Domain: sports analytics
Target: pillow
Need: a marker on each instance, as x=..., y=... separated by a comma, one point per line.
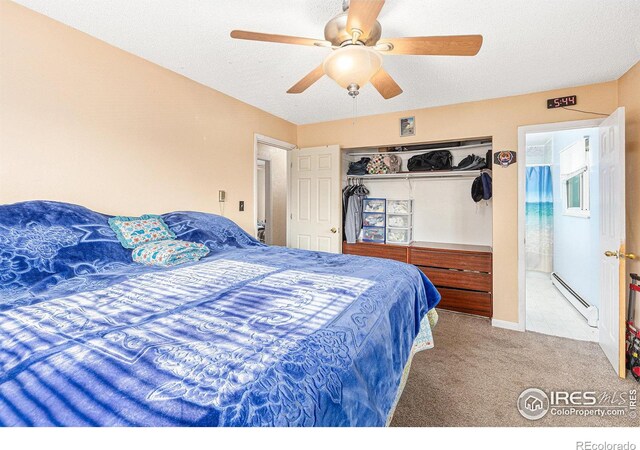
x=134, y=231
x=216, y=232
x=169, y=253
x=43, y=243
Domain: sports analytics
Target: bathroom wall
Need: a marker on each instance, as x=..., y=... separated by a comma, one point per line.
x=576, y=247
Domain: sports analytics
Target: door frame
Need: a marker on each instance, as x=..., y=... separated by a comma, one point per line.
x=271, y=142
x=522, y=161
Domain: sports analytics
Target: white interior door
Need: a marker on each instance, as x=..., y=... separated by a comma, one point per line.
x=612, y=239
x=315, y=215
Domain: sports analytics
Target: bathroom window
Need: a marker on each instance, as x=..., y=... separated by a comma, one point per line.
x=574, y=172
x=577, y=195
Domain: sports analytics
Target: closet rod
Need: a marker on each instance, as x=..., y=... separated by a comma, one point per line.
x=425, y=175
x=418, y=152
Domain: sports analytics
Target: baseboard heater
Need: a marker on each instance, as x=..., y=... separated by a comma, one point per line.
x=589, y=312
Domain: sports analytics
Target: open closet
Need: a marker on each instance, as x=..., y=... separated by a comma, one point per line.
x=425, y=204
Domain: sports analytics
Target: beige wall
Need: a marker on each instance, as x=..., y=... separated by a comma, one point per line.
x=498, y=118
x=86, y=123
x=629, y=97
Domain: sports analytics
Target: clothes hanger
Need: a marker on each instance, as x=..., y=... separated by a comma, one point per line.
x=362, y=189
x=348, y=190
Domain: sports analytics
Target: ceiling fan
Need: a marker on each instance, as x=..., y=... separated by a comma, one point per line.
x=355, y=37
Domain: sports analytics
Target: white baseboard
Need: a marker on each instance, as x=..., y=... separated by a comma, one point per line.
x=515, y=326
x=589, y=312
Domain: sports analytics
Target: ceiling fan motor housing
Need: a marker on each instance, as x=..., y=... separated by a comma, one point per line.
x=335, y=31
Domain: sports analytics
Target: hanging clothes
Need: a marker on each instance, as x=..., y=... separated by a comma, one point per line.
x=487, y=185
x=347, y=192
x=353, y=223
x=354, y=196
x=539, y=219
x=482, y=187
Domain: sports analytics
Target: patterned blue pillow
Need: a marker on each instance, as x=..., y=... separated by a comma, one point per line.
x=169, y=253
x=135, y=231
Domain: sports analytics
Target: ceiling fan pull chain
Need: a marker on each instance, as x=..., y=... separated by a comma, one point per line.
x=355, y=110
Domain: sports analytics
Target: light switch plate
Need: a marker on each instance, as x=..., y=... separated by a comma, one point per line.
x=241, y=205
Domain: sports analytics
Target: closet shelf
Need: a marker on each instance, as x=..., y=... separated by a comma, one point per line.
x=418, y=152
x=414, y=175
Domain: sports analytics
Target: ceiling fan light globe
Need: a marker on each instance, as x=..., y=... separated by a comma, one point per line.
x=352, y=64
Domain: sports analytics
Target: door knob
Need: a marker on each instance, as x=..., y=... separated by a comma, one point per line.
x=620, y=254
x=334, y=230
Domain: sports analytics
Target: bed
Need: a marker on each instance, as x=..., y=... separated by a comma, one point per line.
x=250, y=335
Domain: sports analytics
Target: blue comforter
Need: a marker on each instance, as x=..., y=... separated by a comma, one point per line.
x=249, y=336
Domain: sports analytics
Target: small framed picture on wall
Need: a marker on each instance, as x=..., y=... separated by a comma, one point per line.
x=407, y=126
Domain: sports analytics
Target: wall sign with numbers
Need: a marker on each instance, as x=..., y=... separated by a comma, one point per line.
x=561, y=102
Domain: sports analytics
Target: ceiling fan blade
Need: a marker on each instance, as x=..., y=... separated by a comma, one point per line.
x=281, y=39
x=386, y=85
x=307, y=81
x=363, y=14
x=468, y=45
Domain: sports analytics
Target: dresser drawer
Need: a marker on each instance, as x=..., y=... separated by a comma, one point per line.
x=469, y=302
x=450, y=260
x=396, y=253
x=474, y=281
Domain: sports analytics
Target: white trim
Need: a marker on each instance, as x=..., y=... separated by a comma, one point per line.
x=577, y=212
x=522, y=159
x=266, y=140
x=514, y=326
x=272, y=142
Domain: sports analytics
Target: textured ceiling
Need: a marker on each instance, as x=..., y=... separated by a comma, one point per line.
x=529, y=45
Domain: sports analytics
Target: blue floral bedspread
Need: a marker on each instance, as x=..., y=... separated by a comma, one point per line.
x=251, y=335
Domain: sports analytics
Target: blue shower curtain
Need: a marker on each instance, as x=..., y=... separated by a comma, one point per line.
x=539, y=219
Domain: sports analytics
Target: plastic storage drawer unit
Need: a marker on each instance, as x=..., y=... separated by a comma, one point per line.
x=374, y=205
x=373, y=234
x=398, y=235
x=399, y=220
x=399, y=206
x=373, y=219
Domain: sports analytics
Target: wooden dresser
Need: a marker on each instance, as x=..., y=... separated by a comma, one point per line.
x=462, y=273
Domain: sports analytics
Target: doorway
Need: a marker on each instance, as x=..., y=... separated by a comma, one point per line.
x=271, y=179
x=562, y=218
x=589, y=184
x=559, y=227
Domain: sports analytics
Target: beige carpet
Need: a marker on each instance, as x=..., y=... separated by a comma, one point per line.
x=476, y=372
